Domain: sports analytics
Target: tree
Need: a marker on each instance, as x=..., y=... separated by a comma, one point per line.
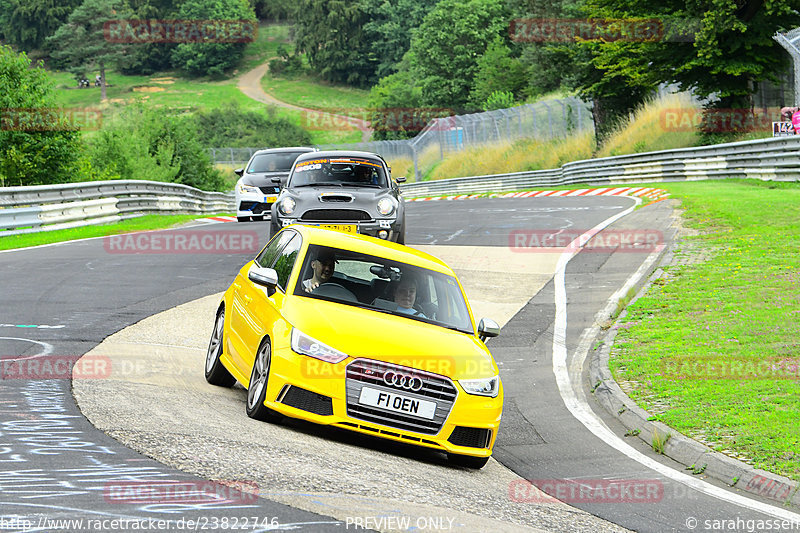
x=498, y=72
x=394, y=95
x=332, y=35
x=37, y=145
x=212, y=58
x=719, y=49
x=82, y=43
x=27, y=23
x=389, y=28
x=445, y=48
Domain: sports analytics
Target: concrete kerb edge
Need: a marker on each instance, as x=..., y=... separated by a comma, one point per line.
x=696, y=457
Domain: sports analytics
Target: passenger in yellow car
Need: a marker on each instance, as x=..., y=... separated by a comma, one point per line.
x=323, y=267
x=405, y=294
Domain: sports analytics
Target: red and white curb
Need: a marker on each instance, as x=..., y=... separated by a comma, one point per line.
x=643, y=192
x=213, y=220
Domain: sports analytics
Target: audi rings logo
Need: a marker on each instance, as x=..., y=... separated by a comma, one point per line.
x=402, y=381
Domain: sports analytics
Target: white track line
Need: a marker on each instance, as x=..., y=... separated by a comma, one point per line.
x=581, y=410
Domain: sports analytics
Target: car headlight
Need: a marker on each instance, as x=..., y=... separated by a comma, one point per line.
x=305, y=345
x=287, y=205
x=385, y=206
x=246, y=188
x=481, y=387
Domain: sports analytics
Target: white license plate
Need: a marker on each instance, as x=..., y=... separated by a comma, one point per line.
x=397, y=403
x=270, y=199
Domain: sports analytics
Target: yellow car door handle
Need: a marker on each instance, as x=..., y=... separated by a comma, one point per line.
x=247, y=299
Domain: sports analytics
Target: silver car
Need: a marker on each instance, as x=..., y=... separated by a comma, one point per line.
x=343, y=190
x=260, y=181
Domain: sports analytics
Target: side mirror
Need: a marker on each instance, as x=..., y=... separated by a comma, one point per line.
x=401, y=179
x=488, y=328
x=266, y=277
x=239, y=172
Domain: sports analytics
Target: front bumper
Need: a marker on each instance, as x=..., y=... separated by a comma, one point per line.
x=323, y=393
x=254, y=204
x=372, y=228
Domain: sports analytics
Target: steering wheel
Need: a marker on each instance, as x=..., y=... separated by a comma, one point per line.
x=334, y=290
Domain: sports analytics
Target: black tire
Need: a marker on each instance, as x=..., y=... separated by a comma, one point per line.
x=242, y=219
x=467, y=461
x=216, y=374
x=257, y=389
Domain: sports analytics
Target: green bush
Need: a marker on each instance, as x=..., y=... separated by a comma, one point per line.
x=37, y=143
x=149, y=144
x=230, y=126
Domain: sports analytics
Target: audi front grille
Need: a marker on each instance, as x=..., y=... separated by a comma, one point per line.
x=408, y=382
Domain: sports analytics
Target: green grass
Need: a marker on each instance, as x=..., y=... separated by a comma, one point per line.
x=146, y=222
x=269, y=37
x=306, y=91
x=740, y=305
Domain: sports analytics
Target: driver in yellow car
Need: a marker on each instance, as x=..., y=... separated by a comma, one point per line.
x=323, y=267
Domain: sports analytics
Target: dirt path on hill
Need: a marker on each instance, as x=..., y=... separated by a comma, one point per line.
x=250, y=84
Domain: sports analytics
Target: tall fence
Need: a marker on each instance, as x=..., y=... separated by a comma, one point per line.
x=547, y=119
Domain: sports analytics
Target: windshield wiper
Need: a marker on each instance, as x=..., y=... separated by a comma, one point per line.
x=350, y=184
x=313, y=185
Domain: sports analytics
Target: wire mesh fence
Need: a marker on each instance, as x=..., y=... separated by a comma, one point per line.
x=548, y=119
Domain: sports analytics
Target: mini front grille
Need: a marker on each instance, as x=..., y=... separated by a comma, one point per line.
x=432, y=387
x=471, y=437
x=335, y=215
x=308, y=401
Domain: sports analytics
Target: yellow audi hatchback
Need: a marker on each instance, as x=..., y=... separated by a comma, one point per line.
x=362, y=334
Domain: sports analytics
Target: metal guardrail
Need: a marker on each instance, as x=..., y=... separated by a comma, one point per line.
x=52, y=207
x=766, y=159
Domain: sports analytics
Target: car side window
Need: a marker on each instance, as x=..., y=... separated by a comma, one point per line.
x=268, y=255
x=286, y=260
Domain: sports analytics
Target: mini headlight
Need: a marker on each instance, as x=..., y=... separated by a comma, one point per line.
x=246, y=188
x=287, y=205
x=305, y=345
x=385, y=206
x=481, y=387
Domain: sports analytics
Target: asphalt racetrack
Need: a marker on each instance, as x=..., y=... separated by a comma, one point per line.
x=173, y=431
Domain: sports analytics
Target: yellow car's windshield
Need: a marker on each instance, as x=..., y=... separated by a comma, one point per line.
x=382, y=285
